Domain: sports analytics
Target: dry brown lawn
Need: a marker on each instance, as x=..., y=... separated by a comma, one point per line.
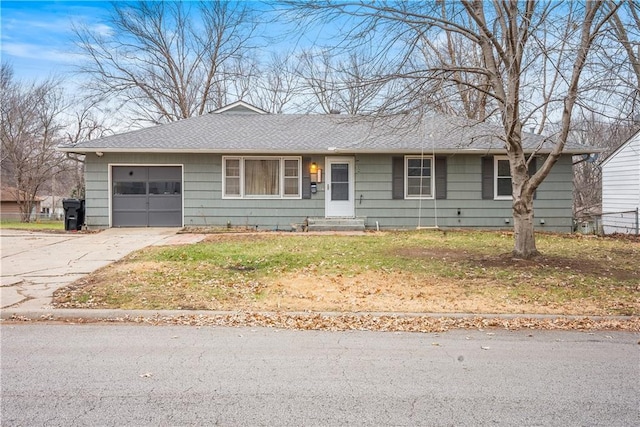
x=414, y=273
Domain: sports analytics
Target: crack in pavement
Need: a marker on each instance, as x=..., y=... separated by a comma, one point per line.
x=30, y=249
x=43, y=263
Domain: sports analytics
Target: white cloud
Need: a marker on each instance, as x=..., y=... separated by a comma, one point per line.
x=39, y=52
x=20, y=50
x=102, y=30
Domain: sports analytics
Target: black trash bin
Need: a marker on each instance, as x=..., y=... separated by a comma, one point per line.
x=73, y=214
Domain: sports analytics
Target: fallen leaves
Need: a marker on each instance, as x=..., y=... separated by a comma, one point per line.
x=366, y=322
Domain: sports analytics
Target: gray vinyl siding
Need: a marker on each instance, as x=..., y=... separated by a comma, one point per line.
x=373, y=198
x=204, y=206
x=96, y=192
x=202, y=189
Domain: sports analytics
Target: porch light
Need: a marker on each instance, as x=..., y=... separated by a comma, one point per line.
x=315, y=172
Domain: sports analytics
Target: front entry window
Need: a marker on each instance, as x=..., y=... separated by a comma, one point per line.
x=339, y=181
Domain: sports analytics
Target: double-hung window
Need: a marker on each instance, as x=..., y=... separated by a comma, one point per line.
x=419, y=182
x=261, y=177
x=502, y=178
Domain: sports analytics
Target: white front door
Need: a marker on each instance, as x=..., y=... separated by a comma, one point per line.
x=339, y=187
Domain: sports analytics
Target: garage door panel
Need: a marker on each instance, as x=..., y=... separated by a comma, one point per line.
x=129, y=202
x=130, y=173
x=173, y=203
x=164, y=219
x=165, y=173
x=130, y=218
x=165, y=210
x=147, y=196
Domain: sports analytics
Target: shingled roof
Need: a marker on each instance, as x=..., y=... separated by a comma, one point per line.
x=242, y=132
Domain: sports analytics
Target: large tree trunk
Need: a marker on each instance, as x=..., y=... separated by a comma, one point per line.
x=522, y=192
x=525, y=243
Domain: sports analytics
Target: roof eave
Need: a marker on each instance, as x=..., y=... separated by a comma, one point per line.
x=329, y=151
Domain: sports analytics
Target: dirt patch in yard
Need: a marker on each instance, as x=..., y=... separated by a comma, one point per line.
x=371, y=291
x=376, y=292
x=582, y=267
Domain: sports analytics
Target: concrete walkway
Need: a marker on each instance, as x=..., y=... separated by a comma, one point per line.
x=35, y=264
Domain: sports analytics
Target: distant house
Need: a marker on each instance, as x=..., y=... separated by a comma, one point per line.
x=9, y=207
x=51, y=207
x=244, y=167
x=621, y=188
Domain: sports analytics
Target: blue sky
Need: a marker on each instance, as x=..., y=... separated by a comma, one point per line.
x=36, y=36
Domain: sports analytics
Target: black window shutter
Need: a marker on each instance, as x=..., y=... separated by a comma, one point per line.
x=533, y=167
x=487, y=177
x=306, y=178
x=397, y=172
x=441, y=177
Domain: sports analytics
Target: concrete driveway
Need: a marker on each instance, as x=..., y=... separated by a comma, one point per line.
x=35, y=264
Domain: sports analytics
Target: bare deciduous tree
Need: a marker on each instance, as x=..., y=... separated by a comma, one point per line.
x=350, y=84
x=512, y=39
x=625, y=24
x=30, y=131
x=278, y=84
x=456, y=88
x=85, y=122
x=166, y=61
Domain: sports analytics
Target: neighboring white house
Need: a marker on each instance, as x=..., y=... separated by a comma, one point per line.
x=51, y=207
x=621, y=188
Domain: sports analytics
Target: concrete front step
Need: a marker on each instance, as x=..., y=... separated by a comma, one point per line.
x=335, y=224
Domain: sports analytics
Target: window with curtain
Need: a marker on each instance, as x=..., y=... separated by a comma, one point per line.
x=261, y=177
x=419, y=174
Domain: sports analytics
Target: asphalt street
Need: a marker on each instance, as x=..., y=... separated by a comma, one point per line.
x=136, y=375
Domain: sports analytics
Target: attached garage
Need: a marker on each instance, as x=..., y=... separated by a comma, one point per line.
x=146, y=196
